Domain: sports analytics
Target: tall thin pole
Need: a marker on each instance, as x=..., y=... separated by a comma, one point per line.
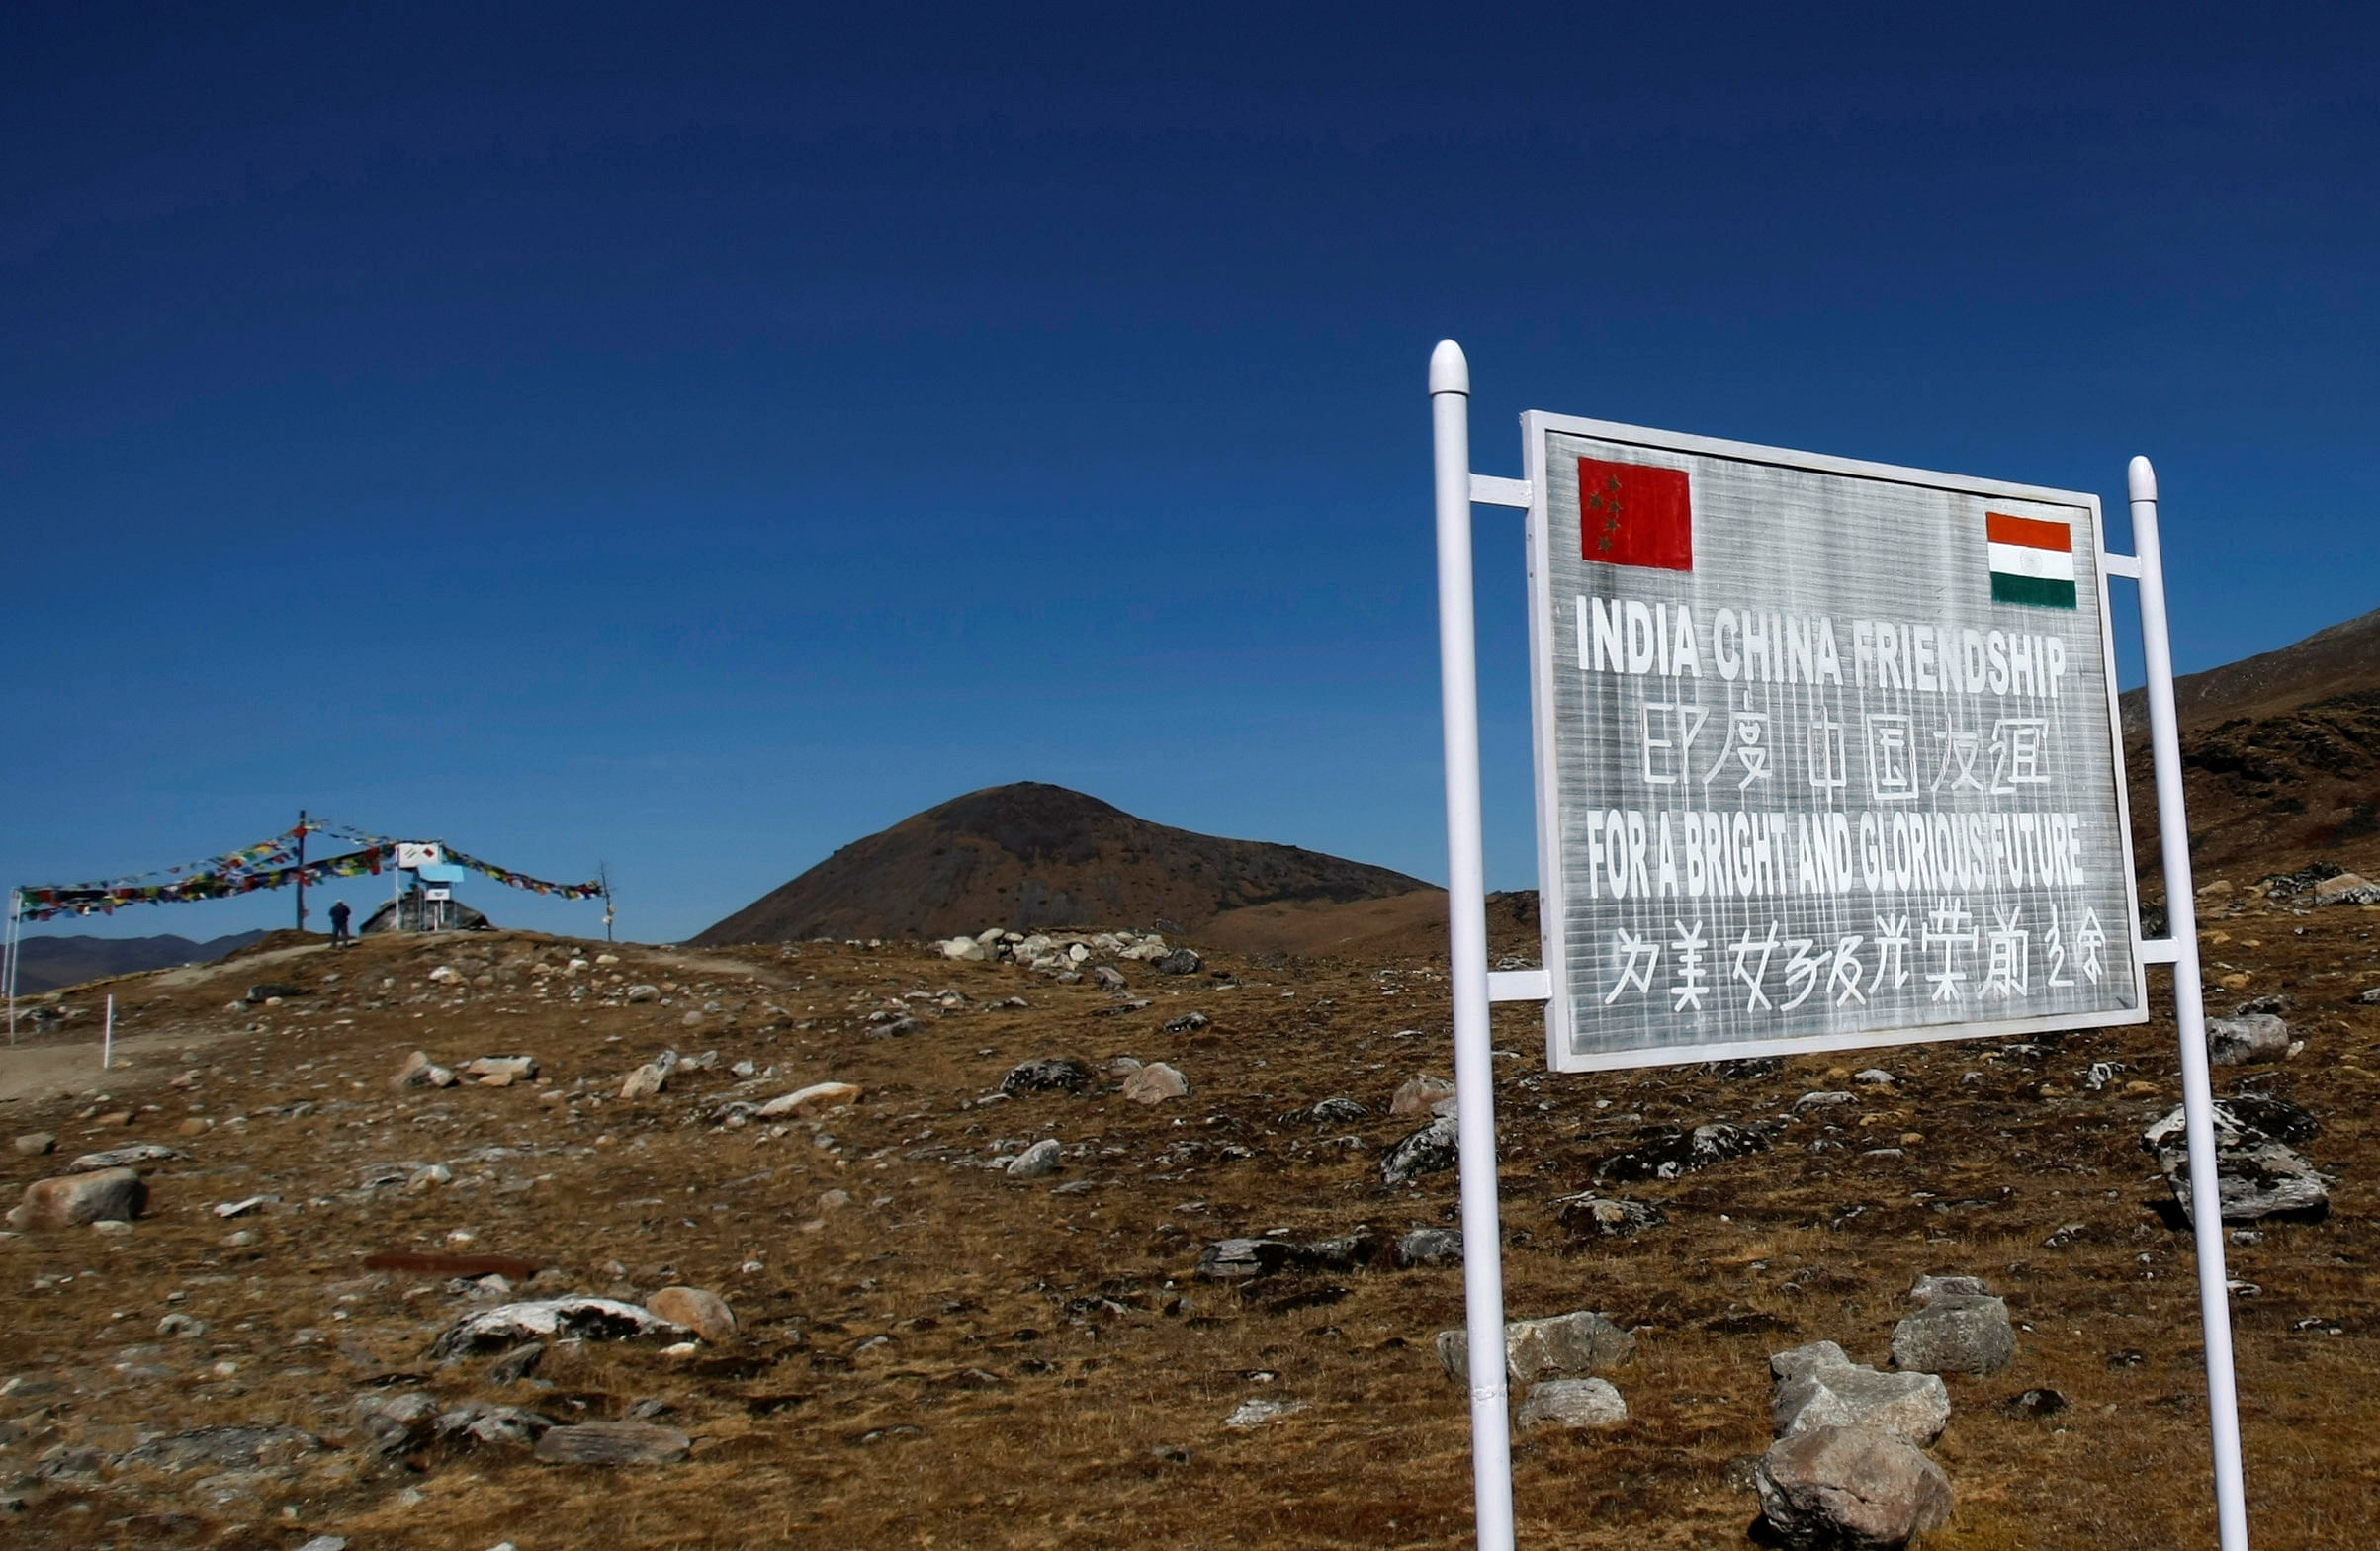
x=603, y=873
x=16, y=929
x=2189, y=1016
x=107, y=1038
x=1466, y=939
x=302, y=869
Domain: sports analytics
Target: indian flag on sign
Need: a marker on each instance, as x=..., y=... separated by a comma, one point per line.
x=2032, y=560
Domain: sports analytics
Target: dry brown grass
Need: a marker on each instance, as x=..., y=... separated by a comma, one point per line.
x=885, y=1390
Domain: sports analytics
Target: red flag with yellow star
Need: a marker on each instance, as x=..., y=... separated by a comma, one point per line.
x=1633, y=514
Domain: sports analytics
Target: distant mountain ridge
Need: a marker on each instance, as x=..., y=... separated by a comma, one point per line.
x=47, y=963
x=2340, y=659
x=1033, y=855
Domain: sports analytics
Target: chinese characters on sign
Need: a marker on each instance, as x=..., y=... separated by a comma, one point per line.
x=1828, y=753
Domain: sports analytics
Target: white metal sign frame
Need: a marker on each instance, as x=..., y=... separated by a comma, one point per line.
x=1537, y=430
x=1456, y=488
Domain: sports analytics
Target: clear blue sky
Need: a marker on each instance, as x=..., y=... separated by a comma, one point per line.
x=693, y=440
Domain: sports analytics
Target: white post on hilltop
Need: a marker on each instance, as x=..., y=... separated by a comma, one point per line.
x=106, y=1035
x=2189, y=1016
x=1466, y=939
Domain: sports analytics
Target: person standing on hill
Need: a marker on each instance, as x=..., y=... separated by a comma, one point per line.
x=338, y=923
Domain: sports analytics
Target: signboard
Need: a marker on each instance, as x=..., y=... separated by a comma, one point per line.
x=1827, y=753
x=419, y=853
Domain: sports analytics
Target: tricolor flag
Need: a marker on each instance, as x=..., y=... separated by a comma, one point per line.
x=1634, y=514
x=2032, y=560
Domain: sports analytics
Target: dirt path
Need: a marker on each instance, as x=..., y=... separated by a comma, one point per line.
x=71, y=1069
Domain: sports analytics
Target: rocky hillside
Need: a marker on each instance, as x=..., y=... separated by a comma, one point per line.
x=821, y=1247
x=1032, y=855
x=2280, y=758
x=2340, y=659
x=2274, y=794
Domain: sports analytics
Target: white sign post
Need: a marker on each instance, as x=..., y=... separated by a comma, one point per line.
x=1827, y=757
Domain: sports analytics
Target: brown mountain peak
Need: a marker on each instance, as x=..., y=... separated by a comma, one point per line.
x=1030, y=855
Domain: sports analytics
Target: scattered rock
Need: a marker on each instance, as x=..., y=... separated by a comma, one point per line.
x=1913, y=1407
x=476, y=1424
x=2259, y=1036
x=1336, y=1111
x=512, y=1068
x=1430, y=1246
x=2034, y=1402
x=421, y=1071
x=1573, y=1403
x=223, y=1448
x=704, y=1313
x=816, y=1100
x=2347, y=889
x=966, y=948
x=1929, y=1287
x=646, y=1081
x=269, y=990
x=1256, y=1412
x=325, y=1543
x=1850, y=1487
x=1955, y=1332
x=613, y=1444
x=1182, y=961
x=644, y=994
x=181, y=1327
x=517, y=1365
x=1875, y=1076
x=1048, y=1074
x=71, y=1200
x=1588, y=1215
x=1824, y=1100
x=35, y=1142
x=1241, y=1260
x=2276, y=1118
x=1574, y=1346
x=1154, y=1083
x=2258, y=1174
x=1035, y=1162
x=1244, y=1259
x=1106, y=978
x=1432, y=1149
x=1679, y=1153
x=1417, y=1095
x=1799, y=1360
x=1191, y=1022
x=123, y=1158
x=551, y=1319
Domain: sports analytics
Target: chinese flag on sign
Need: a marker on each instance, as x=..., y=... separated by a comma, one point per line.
x=1630, y=514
